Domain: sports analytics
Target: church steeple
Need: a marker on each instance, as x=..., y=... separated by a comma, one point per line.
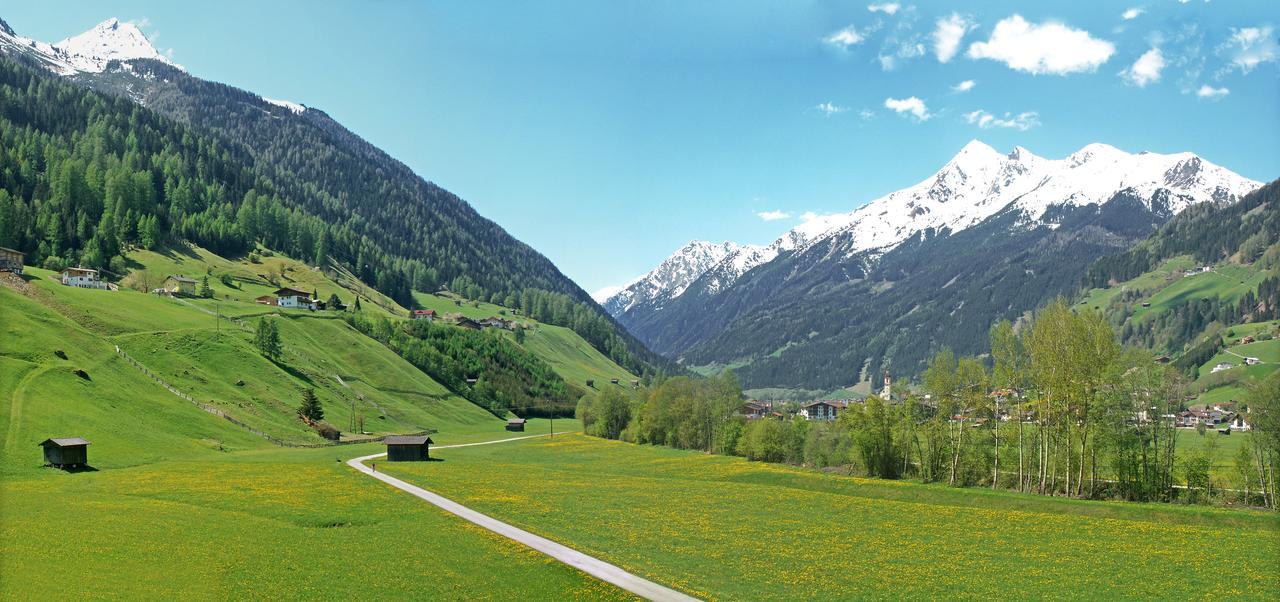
x=887, y=393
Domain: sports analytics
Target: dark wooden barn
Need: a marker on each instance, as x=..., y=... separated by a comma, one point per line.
x=66, y=452
x=516, y=424
x=408, y=448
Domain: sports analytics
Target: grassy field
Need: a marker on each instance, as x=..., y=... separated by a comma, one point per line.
x=286, y=525
x=725, y=528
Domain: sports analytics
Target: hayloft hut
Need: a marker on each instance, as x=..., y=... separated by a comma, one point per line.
x=516, y=424
x=408, y=448
x=11, y=260
x=66, y=452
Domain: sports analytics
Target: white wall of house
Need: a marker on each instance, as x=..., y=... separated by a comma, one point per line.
x=296, y=301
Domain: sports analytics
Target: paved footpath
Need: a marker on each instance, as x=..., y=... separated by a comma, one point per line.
x=588, y=564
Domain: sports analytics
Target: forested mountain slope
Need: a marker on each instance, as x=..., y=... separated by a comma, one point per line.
x=166, y=156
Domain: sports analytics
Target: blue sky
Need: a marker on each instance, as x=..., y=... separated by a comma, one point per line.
x=608, y=134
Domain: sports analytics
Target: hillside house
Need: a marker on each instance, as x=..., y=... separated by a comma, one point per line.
x=71, y=452
x=408, y=448
x=1246, y=340
x=496, y=322
x=82, y=278
x=823, y=410
x=516, y=424
x=11, y=260
x=423, y=314
x=1252, y=361
x=287, y=297
x=180, y=285
x=468, y=323
x=1240, y=423
x=1222, y=366
x=1164, y=359
x=267, y=300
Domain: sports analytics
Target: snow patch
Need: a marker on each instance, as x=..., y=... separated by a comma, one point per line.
x=296, y=108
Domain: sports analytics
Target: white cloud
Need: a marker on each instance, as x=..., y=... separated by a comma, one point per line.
x=1212, y=93
x=844, y=38
x=866, y=114
x=1022, y=121
x=140, y=23
x=829, y=109
x=1146, y=69
x=1039, y=48
x=947, y=35
x=888, y=8
x=1132, y=14
x=773, y=216
x=809, y=216
x=964, y=86
x=1250, y=47
x=909, y=106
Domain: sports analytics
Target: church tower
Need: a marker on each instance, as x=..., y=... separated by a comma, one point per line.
x=887, y=393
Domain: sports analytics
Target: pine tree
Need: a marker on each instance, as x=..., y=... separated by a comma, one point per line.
x=310, y=409
x=267, y=338
x=205, y=291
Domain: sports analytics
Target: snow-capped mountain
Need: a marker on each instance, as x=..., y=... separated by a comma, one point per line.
x=990, y=235
x=980, y=181
x=973, y=186
x=89, y=52
x=674, y=274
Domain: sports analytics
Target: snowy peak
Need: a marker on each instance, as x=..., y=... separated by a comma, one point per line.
x=979, y=181
x=89, y=52
x=109, y=40
x=673, y=276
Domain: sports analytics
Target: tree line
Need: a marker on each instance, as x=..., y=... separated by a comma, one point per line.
x=1058, y=408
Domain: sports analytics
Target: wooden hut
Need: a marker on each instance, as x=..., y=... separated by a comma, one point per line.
x=11, y=260
x=516, y=424
x=66, y=452
x=591, y=383
x=408, y=448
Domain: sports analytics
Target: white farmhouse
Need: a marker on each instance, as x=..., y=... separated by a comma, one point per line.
x=287, y=297
x=82, y=278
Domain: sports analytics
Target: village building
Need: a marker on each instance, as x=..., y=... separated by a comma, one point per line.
x=496, y=322
x=287, y=297
x=1252, y=361
x=1246, y=340
x=180, y=285
x=516, y=424
x=267, y=300
x=423, y=314
x=753, y=410
x=1221, y=366
x=408, y=448
x=11, y=260
x=823, y=409
x=1240, y=423
x=468, y=323
x=82, y=278
x=70, y=452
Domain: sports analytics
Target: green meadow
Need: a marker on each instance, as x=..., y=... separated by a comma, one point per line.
x=725, y=528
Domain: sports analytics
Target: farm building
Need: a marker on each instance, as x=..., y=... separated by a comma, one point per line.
x=423, y=314
x=496, y=322
x=11, y=260
x=755, y=409
x=1252, y=361
x=66, y=452
x=613, y=381
x=468, y=323
x=268, y=300
x=1246, y=340
x=82, y=278
x=287, y=297
x=516, y=424
x=408, y=448
x=180, y=285
x=1222, y=366
x=1240, y=423
x=591, y=383
x=823, y=410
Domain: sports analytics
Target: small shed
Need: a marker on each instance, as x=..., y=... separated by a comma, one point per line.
x=516, y=424
x=591, y=383
x=11, y=260
x=66, y=452
x=613, y=381
x=408, y=448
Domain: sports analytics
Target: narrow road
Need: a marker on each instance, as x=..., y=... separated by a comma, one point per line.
x=588, y=564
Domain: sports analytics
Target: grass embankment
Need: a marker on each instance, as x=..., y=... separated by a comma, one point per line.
x=726, y=528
